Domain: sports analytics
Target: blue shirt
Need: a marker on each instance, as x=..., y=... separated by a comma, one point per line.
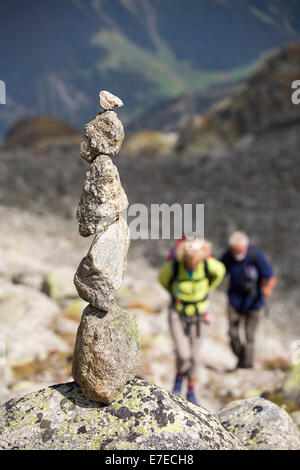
x=237, y=298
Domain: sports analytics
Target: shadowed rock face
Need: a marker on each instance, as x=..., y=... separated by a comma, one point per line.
x=143, y=417
x=260, y=424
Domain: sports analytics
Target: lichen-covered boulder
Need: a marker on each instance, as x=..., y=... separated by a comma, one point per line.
x=107, y=353
x=103, y=135
x=291, y=385
x=260, y=424
x=102, y=199
x=144, y=417
x=100, y=273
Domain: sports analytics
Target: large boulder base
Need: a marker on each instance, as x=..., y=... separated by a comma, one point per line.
x=107, y=353
x=144, y=417
x=100, y=273
x=260, y=424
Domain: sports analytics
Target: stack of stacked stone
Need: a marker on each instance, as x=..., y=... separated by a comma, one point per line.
x=107, y=351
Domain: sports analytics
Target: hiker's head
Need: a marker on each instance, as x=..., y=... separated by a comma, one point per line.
x=238, y=243
x=192, y=251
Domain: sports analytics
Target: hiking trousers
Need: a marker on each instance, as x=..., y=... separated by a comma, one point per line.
x=244, y=350
x=187, y=344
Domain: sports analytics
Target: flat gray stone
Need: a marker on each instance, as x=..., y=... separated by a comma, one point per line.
x=102, y=198
x=100, y=273
x=103, y=135
x=107, y=353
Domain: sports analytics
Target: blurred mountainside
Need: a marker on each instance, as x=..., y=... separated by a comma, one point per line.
x=174, y=114
x=263, y=102
x=56, y=55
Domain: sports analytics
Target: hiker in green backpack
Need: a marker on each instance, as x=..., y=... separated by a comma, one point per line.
x=189, y=278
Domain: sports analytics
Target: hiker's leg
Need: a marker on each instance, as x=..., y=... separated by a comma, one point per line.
x=181, y=342
x=196, y=343
x=234, y=332
x=252, y=320
x=193, y=373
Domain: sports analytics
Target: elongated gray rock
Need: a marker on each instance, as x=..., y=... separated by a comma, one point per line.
x=107, y=353
x=102, y=199
x=100, y=273
x=143, y=417
x=108, y=101
x=103, y=135
x=260, y=424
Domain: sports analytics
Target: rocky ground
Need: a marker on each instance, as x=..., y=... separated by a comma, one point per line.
x=254, y=186
x=40, y=313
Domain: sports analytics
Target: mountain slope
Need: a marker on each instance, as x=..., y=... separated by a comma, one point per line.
x=262, y=103
x=55, y=56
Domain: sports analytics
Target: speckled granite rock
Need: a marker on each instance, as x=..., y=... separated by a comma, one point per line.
x=102, y=199
x=107, y=353
x=100, y=273
x=103, y=135
x=260, y=424
x=144, y=417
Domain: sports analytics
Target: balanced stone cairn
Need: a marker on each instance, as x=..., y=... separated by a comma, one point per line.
x=107, y=351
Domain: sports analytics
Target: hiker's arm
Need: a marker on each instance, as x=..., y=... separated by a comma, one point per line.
x=268, y=286
x=165, y=275
x=266, y=272
x=217, y=270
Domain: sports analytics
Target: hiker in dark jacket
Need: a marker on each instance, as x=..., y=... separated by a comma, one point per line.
x=251, y=281
x=189, y=277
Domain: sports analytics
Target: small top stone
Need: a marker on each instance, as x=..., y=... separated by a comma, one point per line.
x=108, y=101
